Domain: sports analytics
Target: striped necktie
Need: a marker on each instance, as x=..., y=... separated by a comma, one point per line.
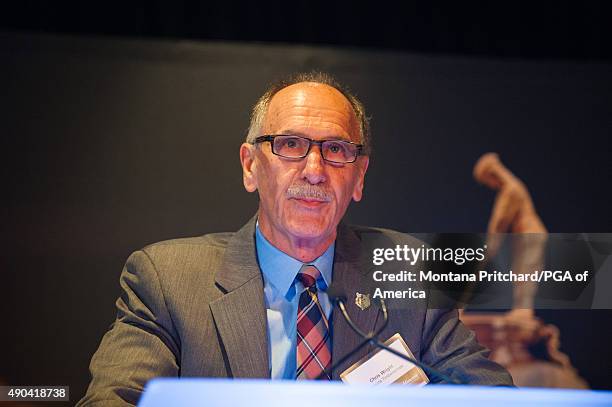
x=313, y=336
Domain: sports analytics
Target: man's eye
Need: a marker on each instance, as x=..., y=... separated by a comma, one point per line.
x=336, y=148
x=291, y=143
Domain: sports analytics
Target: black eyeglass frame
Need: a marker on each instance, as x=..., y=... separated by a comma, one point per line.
x=271, y=137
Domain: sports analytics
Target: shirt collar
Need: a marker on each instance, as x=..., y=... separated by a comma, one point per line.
x=280, y=269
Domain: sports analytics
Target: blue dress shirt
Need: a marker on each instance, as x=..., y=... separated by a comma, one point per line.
x=282, y=293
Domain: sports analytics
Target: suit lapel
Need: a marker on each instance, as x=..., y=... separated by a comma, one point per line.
x=349, y=274
x=240, y=315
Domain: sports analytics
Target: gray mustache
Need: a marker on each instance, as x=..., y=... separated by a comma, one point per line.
x=309, y=192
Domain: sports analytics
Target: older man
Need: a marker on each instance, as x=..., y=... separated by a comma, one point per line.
x=253, y=303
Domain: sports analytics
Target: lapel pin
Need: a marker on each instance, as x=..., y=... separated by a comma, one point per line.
x=362, y=301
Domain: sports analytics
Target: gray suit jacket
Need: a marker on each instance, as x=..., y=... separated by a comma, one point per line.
x=195, y=307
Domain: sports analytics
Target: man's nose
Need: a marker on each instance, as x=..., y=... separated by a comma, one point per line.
x=314, y=168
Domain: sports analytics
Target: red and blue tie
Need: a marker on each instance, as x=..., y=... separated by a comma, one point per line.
x=313, y=336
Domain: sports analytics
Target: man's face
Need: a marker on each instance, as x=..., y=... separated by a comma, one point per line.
x=303, y=200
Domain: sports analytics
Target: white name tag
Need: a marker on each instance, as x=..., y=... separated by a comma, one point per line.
x=383, y=367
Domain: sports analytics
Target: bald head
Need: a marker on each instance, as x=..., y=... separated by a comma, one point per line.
x=303, y=107
x=311, y=88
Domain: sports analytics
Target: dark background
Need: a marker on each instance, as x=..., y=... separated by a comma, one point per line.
x=504, y=28
x=119, y=129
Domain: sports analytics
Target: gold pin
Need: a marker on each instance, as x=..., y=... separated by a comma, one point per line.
x=362, y=301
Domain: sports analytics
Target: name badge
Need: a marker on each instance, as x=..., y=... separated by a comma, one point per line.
x=381, y=367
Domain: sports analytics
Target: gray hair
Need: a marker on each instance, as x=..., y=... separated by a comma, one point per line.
x=261, y=107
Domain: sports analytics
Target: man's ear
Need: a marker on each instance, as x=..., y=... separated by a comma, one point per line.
x=363, y=163
x=247, y=159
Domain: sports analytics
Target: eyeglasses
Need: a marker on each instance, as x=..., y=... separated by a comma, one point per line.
x=335, y=151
